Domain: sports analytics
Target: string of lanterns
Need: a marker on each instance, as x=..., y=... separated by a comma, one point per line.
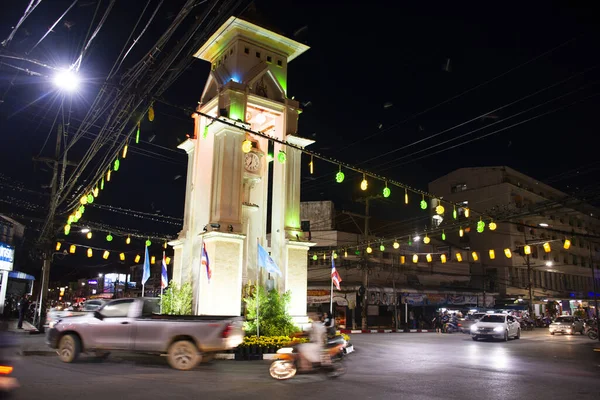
x=459, y=255
x=71, y=248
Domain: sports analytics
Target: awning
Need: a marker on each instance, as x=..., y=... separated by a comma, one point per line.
x=20, y=275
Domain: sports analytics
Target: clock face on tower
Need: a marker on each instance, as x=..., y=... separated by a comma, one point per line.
x=251, y=162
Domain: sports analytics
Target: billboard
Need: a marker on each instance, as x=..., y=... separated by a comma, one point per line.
x=7, y=257
x=109, y=283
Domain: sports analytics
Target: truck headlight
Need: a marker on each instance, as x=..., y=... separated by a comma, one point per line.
x=474, y=327
x=52, y=324
x=285, y=350
x=499, y=329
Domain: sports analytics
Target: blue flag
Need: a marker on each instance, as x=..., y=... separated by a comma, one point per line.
x=265, y=261
x=146, y=274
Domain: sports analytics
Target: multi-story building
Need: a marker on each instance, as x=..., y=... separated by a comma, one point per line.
x=14, y=283
x=398, y=291
x=529, y=213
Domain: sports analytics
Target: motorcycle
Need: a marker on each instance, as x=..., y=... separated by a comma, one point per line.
x=288, y=361
x=8, y=345
x=592, y=333
x=451, y=327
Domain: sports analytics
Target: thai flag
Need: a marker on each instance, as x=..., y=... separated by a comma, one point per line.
x=205, y=261
x=335, y=276
x=164, y=278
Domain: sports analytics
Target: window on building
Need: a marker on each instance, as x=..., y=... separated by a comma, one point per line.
x=574, y=260
x=459, y=187
x=246, y=50
x=258, y=54
x=231, y=51
x=280, y=63
x=269, y=59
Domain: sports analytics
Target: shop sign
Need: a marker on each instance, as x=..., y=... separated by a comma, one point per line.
x=462, y=300
x=414, y=299
x=436, y=299
x=7, y=257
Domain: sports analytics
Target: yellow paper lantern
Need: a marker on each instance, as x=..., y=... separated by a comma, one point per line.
x=527, y=249
x=396, y=245
x=152, y=260
x=246, y=146
x=364, y=184
x=428, y=257
x=137, y=258
x=83, y=200
x=106, y=254
x=405, y=196
x=96, y=191
x=467, y=212
x=125, y=151
x=402, y=260
x=90, y=253
x=426, y=239
x=72, y=249
x=567, y=244
x=369, y=249
x=168, y=260
x=58, y=244
x=89, y=235
x=122, y=256
x=128, y=240
x=475, y=256
x=108, y=176
x=461, y=232
x=492, y=226
x=440, y=209
x=508, y=253
x=492, y=254
x=345, y=253
x=547, y=247
x=443, y=258
x=415, y=258
x=459, y=257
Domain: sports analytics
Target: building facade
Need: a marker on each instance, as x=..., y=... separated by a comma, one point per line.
x=395, y=291
x=541, y=217
x=14, y=284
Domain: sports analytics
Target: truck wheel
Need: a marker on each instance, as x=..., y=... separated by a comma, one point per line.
x=183, y=355
x=69, y=348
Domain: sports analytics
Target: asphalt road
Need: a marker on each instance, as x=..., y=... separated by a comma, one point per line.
x=384, y=366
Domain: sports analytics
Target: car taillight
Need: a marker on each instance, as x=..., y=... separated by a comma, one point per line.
x=5, y=369
x=226, y=332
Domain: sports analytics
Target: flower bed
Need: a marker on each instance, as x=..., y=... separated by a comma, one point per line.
x=270, y=344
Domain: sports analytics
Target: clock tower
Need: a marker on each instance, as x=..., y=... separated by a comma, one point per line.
x=228, y=174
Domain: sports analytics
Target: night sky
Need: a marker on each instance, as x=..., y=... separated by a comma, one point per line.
x=380, y=77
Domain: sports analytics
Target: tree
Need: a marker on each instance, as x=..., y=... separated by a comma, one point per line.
x=273, y=318
x=177, y=300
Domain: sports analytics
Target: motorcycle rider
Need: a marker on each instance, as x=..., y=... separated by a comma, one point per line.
x=311, y=352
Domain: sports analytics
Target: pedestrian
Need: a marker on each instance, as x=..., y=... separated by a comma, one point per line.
x=329, y=324
x=23, y=307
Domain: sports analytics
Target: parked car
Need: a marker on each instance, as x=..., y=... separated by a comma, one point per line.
x=59, y=313
x=496, y=326
x=135, y=325
x=567, y=324
x=464, y=324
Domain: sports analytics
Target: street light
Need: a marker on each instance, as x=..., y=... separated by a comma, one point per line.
x=543, y=225
x=549, y=263
x=66, y=80
x=85, y=230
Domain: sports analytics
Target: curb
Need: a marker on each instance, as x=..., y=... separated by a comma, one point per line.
x=355, y=331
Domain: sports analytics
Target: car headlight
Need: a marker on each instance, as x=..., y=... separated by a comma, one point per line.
x=499, y=329
x=474, y=327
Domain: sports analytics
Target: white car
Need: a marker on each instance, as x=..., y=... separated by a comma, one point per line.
x=496, y=326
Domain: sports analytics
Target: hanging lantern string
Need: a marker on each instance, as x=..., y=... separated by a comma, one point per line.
x=313, y=154
x=124, y=233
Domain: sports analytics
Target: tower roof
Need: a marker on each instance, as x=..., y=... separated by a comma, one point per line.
x=235, y=27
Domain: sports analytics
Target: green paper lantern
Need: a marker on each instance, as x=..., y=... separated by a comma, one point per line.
x=81, y=209
x=314, y=257
x=70, y=219
x=382, y=248
x=148, y=243
x=109, y=238
x=480, y=226
x=269, y=157
x=117, y=165
x=90, y=198
x=67, y=229
x=454, y=214
x=443, y=236
x=357, y=252
x=386, y=192
x=339, y=177
x=423, y=205
x=137, y=134
x=102, y=184
x=281, y=157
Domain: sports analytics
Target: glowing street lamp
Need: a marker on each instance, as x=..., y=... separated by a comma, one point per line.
x=66, y=80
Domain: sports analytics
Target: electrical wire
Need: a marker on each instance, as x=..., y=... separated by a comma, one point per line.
x=32, y=5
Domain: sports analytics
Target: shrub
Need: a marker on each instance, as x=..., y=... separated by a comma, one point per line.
x=177, y=300
x=273, y=318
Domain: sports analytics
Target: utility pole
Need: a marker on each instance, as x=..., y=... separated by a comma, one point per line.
x=395, y=295
x=530, y=284
x=365, y=261
x=594, y=286
x=47, y=242
x=484, y=280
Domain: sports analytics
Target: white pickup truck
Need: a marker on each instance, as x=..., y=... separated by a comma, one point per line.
x=135, y=325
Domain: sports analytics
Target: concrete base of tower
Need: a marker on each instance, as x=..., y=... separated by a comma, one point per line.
x=301, y=322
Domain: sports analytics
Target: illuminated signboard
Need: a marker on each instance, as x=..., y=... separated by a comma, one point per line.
x=109, y=283
x=92, y=282
x=7, y=257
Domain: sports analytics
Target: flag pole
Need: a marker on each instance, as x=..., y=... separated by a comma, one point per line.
x=331, y=293
x=200, y=275
x=257, y=293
